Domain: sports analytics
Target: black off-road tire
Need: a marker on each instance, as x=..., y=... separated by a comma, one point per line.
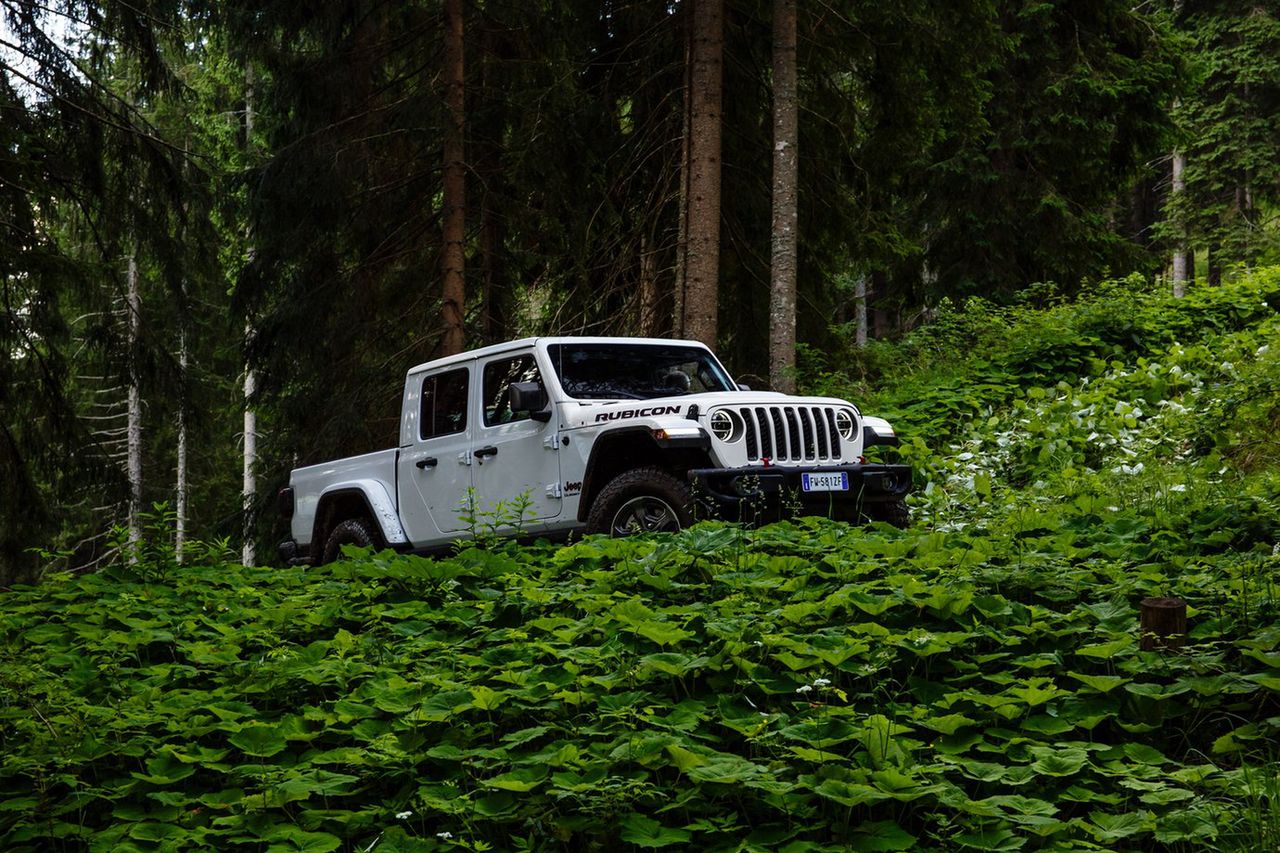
x=894, y=512
x=353, y=531
x=642, y=500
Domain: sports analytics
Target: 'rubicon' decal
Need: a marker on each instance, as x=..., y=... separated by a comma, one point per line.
x=627, y=414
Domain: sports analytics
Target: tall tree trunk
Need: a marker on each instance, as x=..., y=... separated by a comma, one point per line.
x=453, y=262
x=782, y=291
x=493, y=271
x=249, y=493
x=180, y=502
x=1213, y=265
x=878, y=285
x=682, y=227
x=1179, y=188
x=249, y=488
x=133, y=429
x=702, y=261
x=649, y=295
x=860, y=311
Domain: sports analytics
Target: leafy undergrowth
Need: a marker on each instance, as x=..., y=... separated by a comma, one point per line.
x=975, y=682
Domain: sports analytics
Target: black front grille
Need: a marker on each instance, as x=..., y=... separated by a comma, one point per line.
x=790, y=433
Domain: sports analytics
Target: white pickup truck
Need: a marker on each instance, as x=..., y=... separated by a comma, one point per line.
x=601, y=435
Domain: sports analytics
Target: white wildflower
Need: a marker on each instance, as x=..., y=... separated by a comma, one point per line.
x=805, y=688
x=445, y=835
x=1178, y=487
x=403, y=815
x=821, y=682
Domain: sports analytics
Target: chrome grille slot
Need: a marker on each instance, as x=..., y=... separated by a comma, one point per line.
x=790, y=433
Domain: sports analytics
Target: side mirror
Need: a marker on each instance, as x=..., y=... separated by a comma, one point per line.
x=742, y=387
x=529, y=397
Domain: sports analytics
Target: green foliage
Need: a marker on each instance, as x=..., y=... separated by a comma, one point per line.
x=806, y=684
x=972, y=683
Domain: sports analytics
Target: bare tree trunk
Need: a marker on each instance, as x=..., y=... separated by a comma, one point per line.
x=860, y=311
x=682, y=228
x=1179, y=188
x=134, y=423
x=249, y=493
x=249, y=489
x=453, y=261
x=786, y=136
x=649, y=296
x=879, y=316
x=702, y=264
x=180, y=503
x=1213, y=265
x=493, y=270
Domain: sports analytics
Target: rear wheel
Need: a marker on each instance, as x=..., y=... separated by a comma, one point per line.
x=352, y=531
x=643, y=500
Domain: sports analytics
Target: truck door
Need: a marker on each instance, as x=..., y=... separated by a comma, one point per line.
x=435, y=454
x=516, y=457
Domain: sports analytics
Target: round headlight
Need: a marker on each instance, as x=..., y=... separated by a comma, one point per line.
x=724, y=426
x=845, y=424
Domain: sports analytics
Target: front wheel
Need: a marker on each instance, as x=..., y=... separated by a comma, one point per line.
x=352, y=531
x=894, y=512
x=643, y=500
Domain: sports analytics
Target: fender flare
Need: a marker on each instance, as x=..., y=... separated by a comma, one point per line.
x=377, y=501
x=643, y=434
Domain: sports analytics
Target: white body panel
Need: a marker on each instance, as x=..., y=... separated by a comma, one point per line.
x=373, y=474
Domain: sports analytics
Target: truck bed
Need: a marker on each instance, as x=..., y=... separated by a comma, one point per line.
x=312, y=482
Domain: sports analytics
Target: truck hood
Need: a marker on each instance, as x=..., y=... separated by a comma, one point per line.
x=579, y=413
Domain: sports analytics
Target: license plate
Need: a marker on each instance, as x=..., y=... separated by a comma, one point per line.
x=835, y=481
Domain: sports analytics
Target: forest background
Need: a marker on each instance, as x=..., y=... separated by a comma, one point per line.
x=226, y=229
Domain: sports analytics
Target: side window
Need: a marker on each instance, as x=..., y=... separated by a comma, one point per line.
x=444, y=403
x=498, y=376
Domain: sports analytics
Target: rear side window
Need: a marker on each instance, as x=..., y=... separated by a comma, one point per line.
x=444, y=403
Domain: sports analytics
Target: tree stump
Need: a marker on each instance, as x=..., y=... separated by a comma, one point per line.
x=1163, y=624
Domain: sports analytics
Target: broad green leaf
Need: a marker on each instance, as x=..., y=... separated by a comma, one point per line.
x=1100, y=683
x=648, y=833
x=1144, y=754
x=523, y=779
x=259, y=740
x=1109, y=827
x=849, y=793
x=997, y=838
x=663, y=633
x=486, y=698
x=1107, y=650
x=683, y=758
x=948, y=724
x=1051, y=761
x=881, y=835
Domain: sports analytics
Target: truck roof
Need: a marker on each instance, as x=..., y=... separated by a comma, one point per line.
x=497, y=349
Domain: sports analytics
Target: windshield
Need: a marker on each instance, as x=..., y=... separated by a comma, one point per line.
x=636, y=371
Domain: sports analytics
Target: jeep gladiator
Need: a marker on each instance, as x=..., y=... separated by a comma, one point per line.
x=600, y=435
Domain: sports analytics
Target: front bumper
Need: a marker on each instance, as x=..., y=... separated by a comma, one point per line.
x=778, y=490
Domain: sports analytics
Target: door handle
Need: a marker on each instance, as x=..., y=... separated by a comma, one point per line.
x=482, y=452
x=429, y=462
